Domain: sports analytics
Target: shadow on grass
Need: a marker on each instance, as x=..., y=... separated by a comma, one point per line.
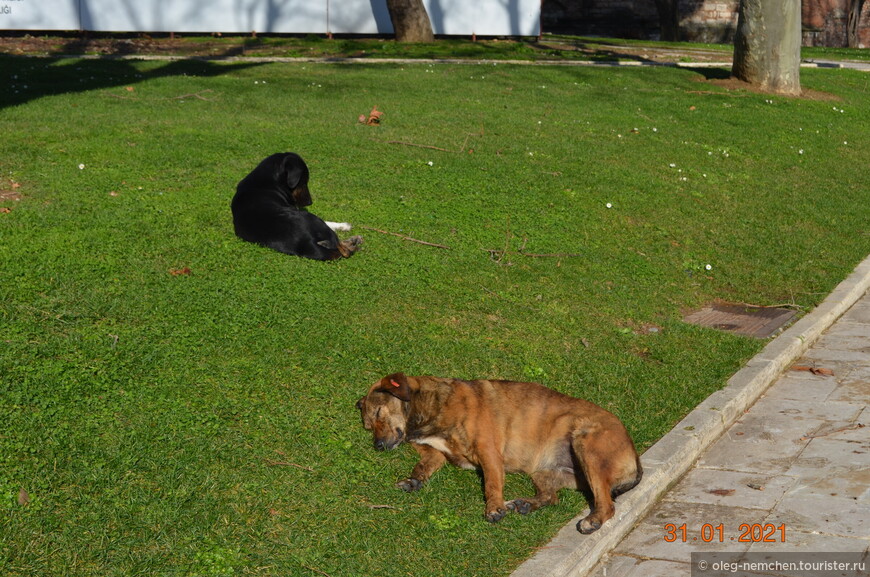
x=29, y=78
x=711, y=73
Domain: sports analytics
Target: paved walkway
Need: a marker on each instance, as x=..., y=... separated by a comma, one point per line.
x=798, y=459
x=785, y=444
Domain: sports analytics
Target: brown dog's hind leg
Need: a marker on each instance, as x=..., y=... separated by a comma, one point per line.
x=599, y=459
x=547, y=484
x=430, y=461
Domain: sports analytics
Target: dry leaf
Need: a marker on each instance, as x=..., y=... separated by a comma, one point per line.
x=4, y=210
x=180, y=271
x=721, y=492
x=23, y=497
x=814, y=370
x=373, y=118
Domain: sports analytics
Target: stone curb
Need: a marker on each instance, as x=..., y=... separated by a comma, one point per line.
x=571, y=554
x=863, y=66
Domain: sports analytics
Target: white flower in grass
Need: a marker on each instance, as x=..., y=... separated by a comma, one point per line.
x=708, y=267
x=609, y=205
x=81, y=166
x=430, y=163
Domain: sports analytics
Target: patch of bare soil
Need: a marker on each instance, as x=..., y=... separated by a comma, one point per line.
x=733, y=84
x=9, y=194
x=134, y=45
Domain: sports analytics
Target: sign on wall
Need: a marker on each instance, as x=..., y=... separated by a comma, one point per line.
x=451, y=17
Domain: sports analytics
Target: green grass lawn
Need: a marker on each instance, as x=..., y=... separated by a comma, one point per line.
x=157, y=423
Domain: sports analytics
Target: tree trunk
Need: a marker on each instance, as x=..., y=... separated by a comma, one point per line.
x=410, y=21
x=767, y=45
x=855, y=7
x=669, y=19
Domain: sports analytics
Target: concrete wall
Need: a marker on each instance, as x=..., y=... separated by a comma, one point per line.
x=458, y=17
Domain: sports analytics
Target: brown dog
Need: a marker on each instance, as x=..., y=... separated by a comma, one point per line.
x=505, y=426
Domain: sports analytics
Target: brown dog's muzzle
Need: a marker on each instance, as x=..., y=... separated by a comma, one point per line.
x=387, y=439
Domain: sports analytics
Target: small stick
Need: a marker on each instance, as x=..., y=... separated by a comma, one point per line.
x=316, y=570
x=495, y=251
x=195, y=95
x=286, y=464
x=840, y=430
x=403, y=237
x=418, y=145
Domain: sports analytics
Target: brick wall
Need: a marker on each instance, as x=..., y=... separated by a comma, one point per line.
x=824, y=21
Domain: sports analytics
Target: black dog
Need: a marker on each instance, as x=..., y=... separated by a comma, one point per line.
x=268, y=209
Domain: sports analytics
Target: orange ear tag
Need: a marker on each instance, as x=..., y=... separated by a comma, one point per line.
x=395, y=384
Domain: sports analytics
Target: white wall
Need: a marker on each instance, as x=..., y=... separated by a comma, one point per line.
x=452, y=17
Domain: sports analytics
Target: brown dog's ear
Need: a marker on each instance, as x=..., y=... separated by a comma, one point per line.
x=397, y=385
x=361, y=403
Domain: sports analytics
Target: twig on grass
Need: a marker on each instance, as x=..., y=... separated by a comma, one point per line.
x=499, y=254
x=403, y=237
x=270, y=463
x=418, y=145
x=430, y=147
x=195, y=95
x=495, y=251
x=318, y=571
x=182, y=97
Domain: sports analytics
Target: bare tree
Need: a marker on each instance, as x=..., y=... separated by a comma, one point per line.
x=854, y=18
x=767, y=45
x=410, y=21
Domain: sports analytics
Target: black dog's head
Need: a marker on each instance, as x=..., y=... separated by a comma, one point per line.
x=291, y=171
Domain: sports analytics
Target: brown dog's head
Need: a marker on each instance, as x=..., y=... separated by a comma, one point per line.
x=385, y=410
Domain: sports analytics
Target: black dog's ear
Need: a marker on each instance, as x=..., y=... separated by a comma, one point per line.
x=295, y=173
x=293, y=169
x=397, y=385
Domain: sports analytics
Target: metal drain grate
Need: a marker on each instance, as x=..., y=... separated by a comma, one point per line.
x=759, y=322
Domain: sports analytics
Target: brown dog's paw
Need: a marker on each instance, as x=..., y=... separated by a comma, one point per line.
x=496, y=516
x=410, y=485
x=586, y=526
x=521, y=506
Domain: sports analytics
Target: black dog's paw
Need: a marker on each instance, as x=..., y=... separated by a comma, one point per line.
x=410, y=485
x=496, y=516
x=521, y=506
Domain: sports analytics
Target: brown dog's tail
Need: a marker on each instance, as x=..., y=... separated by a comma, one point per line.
x=629, y=484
